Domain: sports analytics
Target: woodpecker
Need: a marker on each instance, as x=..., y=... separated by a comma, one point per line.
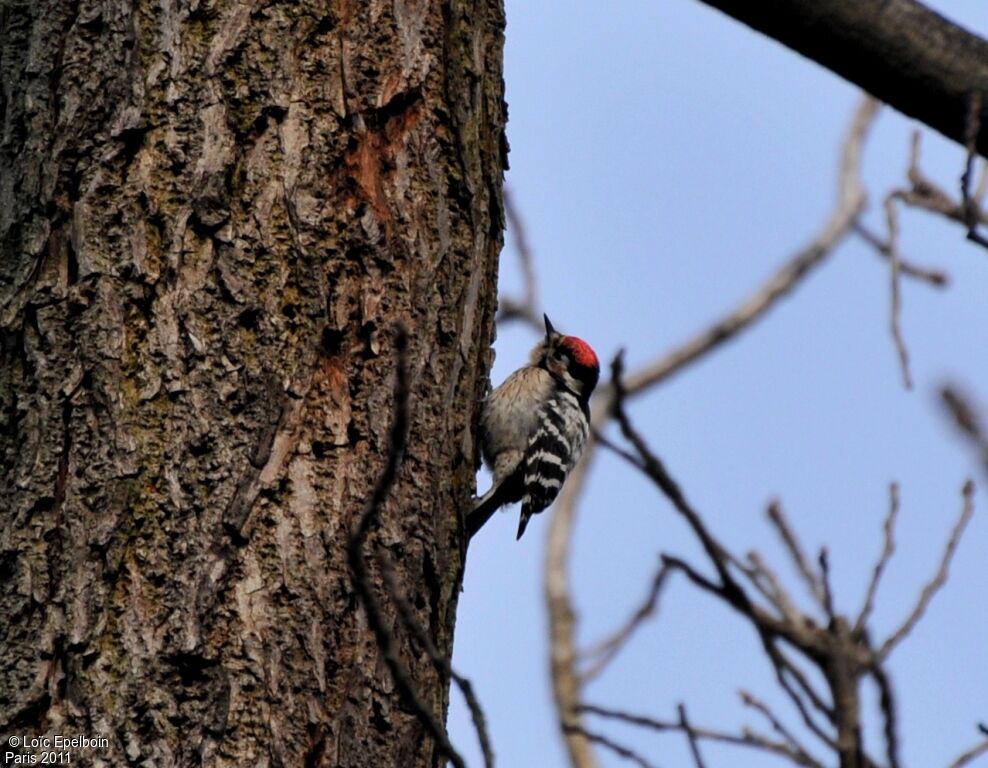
x=533, y=427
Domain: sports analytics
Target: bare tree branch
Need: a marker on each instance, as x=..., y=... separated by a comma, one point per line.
x=840, y=650
x=895, y=305
x=973, y=753
x=653, y=467
x=770, y=586
x=828, y=596
x=784, y=670
x=791, y=541
x=440, y=661
x=842, y=655
x=476, y=712
x=691, y=736
x=926, y=195
x=622, y=452
x=907, y=55
x=981, y=189
x=889, y=710
x=618, y=749
x=566, y=683
x=607, y=649
x=934, y=277
x=968, y=420
x=972, y=127
x=759, y=706
x=748, y=738
x=526, y=308
x=361, y=576
x=888, y=548
x=728, y=589
x=939, y=579
x=850, y=203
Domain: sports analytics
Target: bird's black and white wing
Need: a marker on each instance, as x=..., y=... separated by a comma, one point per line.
x=555, y=447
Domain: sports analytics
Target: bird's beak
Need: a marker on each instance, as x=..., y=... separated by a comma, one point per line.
x=549, y=330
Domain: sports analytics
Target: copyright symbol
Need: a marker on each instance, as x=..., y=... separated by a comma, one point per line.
x=13, y=741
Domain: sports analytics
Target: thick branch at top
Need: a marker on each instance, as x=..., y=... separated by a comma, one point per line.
x=898, y=50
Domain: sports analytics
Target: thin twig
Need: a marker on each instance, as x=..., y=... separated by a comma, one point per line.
x=939, y=579
x=981, y=189
x=440, y=661
x=792, y=670
x=566, y=682
x=888, y=548
x=828, y=595
x=698, y=579
x=802, y=635
x=895, y=305
x=728, y=589
x=758, y=705
x=748, y=738
x=476, y=715
x=934, y=277
x=784, y=669
x=889, y=710
x=968, y=420
x=361, y=578
x=973, y=753
x=606, y=650
x=526, y=308
x=652, y=466
x=604, y=741
x=684, y=723
x=623, y=453
x=926, y=195
x=972, y=127
x=795, y=549
x=850, y=203
x=765, y=583
x=768, y=583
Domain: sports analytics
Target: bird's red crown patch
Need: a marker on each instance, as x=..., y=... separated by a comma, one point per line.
x=581, y=352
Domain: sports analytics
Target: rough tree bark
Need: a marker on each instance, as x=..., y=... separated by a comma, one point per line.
x=211, y=216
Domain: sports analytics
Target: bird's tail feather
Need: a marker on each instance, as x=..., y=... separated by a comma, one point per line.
x=506, y=492
x=526, y=515
x=486, y=506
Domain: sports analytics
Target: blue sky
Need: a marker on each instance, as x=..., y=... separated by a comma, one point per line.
x=666, y=160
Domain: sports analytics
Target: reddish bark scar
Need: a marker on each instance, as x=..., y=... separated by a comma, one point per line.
x=373, y=159
x=335, y=378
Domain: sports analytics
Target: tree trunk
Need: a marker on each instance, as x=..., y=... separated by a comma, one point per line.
x=212, y=215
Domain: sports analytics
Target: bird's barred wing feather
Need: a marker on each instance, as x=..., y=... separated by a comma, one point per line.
x=553, y=450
